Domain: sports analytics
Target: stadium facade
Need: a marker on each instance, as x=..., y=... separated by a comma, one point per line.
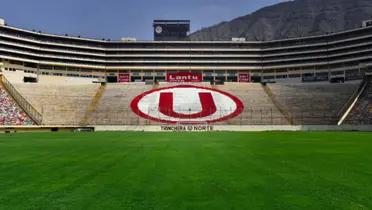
x=338, y=56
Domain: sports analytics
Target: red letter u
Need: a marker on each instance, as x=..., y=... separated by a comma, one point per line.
x=206, y=100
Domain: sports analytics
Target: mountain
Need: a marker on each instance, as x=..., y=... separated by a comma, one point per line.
x=291, y=19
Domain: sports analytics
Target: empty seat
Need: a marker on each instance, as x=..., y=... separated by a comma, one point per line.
x=313, y=103
x=59, y=104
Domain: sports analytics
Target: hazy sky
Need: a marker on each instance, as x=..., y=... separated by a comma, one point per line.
x=113, y=19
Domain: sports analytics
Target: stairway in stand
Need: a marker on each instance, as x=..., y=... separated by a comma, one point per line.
x=93, y=106
x=278, y=105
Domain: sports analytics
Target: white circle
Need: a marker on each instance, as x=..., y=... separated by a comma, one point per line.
x=186, y=101
x=158, y=29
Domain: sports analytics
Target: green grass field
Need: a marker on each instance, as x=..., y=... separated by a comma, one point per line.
x=274, y=170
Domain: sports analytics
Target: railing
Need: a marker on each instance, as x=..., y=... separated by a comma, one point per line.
x=347, y=108
x=93, y=106
x=278, y=105
x=351, y=99
x=22, y=102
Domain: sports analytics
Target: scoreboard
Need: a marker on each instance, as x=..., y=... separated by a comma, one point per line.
x=171, y=30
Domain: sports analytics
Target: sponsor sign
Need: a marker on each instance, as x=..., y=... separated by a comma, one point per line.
x=244, y=77
x=187, y=104
x=184, y=77
x=123, y=77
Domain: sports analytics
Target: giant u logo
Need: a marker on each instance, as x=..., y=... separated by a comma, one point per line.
x=206, y=100
x=186, y=104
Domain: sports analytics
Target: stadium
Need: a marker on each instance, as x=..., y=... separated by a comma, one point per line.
x=197, y=100
x=304, y=81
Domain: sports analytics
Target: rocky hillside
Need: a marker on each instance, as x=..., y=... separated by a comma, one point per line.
x=292, y=19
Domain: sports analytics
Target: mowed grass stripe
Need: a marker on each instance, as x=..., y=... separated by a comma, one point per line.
x=224, y=170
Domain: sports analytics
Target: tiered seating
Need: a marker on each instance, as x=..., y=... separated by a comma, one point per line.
x=259, y=108
x=362, y=111
x=10, y=112
x=313, y=103
x=274, y=104
x=113, y=109
x=59, y=104
x=114, y=106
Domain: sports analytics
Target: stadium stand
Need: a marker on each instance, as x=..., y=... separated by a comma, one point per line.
x=271, y=104
x=259, y=108
x=59, y=104
x=311, y=104
x=10, y=112
x=361, y=113
x=113, y=108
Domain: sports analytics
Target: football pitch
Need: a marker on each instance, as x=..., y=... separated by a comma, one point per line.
x=129, y=170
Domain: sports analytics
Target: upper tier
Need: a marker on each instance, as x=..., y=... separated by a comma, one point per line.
x=342, y=48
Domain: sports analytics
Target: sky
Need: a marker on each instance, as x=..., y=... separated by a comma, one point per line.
x=113, y=19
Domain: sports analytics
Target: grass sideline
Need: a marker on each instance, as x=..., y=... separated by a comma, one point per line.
x=221, y=170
